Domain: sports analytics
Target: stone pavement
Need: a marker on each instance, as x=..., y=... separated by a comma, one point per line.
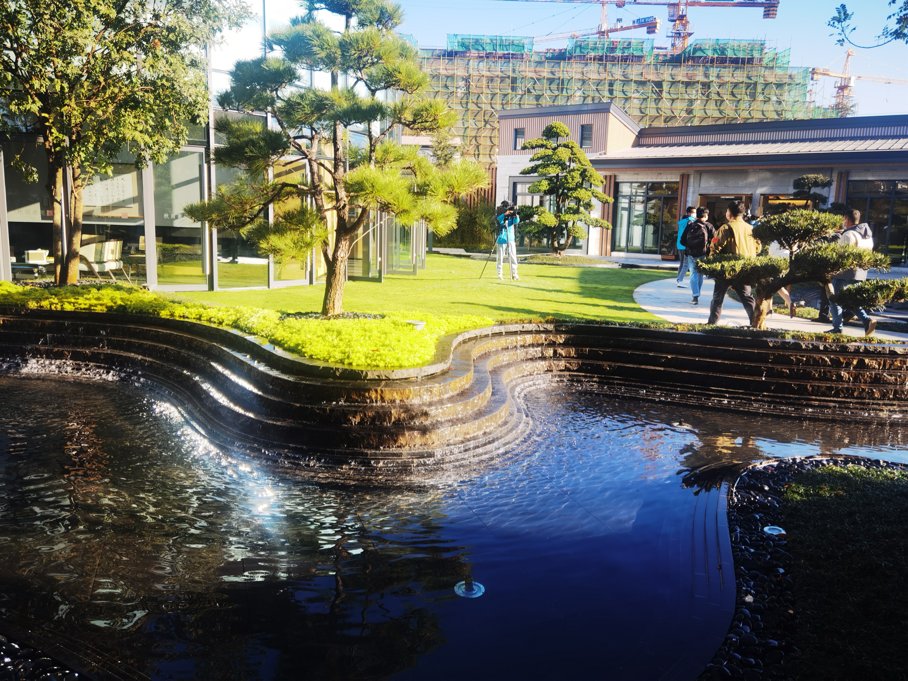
x=664, y=299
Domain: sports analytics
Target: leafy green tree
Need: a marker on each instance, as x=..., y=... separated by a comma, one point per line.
x=569, y=181
x=896, y=27
x=810, y=258
x=91, y=77
x=327, y=187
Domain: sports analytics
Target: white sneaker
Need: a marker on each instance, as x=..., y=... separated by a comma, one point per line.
x=679, y=284
x=500, y=278
x=515, y=278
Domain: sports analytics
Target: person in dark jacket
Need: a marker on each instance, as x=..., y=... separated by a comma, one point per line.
x=696, y=238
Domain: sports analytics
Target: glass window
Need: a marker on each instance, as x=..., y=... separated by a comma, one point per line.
x=645, y=216
x=884, y=206
x=240, y=263
x=519, y=136
x=586, y=135
x=177, y=183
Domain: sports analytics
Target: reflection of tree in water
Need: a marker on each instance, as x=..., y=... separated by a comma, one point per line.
x=130, y=549
x=727, y=442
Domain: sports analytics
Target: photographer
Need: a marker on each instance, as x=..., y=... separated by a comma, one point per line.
x=507, y=220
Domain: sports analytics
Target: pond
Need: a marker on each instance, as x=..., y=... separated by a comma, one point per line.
x=128, y=538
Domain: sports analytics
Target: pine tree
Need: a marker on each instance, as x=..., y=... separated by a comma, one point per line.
x=811, y=257
x=570, y=182
x=328, y=188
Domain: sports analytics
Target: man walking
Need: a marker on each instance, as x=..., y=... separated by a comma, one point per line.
x=684, y=265
x=505, y=242
x=736, y=238
x=696, y=239
x=854, y=233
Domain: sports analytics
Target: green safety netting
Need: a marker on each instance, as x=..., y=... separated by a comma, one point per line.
x=737, y=49
x=489, y=43
x=603, y=46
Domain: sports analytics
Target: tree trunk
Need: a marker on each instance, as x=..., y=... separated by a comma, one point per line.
x=70, y=274
x=762, y=306
x=333, y=302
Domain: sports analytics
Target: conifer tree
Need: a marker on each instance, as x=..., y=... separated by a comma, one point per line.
x=811, y=258
x=328, y=187
x=570, y=183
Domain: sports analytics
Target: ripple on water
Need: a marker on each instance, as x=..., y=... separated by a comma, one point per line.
x=123, y=529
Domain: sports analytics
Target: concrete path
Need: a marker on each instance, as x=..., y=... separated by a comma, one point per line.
x=664, y=299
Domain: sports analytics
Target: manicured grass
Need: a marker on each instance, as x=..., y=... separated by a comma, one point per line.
x=846, y=533
x=449, y=297
x=451, y=286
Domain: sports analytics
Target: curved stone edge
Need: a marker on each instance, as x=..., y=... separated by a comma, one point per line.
x=465, y=414
x=762, y=567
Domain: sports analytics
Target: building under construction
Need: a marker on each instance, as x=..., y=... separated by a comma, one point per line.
x=709, y=81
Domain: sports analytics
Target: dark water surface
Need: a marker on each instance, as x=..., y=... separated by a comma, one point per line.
x=132, y=540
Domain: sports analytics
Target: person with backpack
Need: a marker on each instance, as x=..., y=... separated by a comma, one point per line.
x=684, y=265
x=507, y=220
x=696, y=238
x=854, y=233
x=735, y=238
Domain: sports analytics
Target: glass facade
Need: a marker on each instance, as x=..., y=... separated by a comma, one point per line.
x=28, y=208
x=180, y=247
x=646, y=217
x=884, y=206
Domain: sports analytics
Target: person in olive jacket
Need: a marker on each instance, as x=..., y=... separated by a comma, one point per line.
x=734, y=237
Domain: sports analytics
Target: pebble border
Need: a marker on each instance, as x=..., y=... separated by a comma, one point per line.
x=750, y=650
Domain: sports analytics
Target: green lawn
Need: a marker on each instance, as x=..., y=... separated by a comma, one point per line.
x=846, y=534
x=449, y=297
x=451, y=286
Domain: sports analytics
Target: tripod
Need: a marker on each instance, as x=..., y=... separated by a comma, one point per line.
x=487, y=260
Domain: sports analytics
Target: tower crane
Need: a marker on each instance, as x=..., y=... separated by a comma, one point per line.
x=844, y=88
x=651, y=24
x=677, y=13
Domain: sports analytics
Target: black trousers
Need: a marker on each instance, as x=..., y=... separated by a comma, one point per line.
x=743, y=291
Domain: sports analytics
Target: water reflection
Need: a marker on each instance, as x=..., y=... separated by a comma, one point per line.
x=130, y=537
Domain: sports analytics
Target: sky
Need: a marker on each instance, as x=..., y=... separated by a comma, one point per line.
x=800, y=27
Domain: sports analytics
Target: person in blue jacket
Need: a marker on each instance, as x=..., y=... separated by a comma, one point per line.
x=686, y=263
x=507, y=222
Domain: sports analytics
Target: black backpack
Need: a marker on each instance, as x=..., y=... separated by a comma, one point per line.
x=695, y=238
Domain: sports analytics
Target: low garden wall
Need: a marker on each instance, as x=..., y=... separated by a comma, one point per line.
x=459, y=411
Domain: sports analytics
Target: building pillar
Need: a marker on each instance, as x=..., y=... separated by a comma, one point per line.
x=608, y=214
x=6, y=270
x=840, y=190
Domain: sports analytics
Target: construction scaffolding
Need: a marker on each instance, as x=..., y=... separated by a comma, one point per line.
x=711, y=81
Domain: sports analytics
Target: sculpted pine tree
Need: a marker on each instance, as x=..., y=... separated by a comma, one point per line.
x=810, y=258
x=569, y=181
x=327, y=187
x=92, y=77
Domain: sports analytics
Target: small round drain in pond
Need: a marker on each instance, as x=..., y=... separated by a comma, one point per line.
x=469, y=589
x=774, y=530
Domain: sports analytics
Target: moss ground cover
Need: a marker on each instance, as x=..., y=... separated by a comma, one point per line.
x=449, y=297
x=846, y=532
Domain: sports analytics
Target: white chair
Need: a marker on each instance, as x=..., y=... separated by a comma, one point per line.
x=36, y=256
x=102, y=256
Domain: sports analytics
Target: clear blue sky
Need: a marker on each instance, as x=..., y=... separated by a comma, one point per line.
x=800, y=26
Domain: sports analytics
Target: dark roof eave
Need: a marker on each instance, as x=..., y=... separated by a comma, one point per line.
x=755, y=160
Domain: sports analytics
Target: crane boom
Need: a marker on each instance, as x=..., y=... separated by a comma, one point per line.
x=677, y=12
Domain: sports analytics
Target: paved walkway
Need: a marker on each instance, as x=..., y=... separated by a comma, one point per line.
x=664, y=299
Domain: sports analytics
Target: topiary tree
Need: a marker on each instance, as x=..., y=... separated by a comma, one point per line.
x=328, y=186
x=569, y=180
x=810, y=258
